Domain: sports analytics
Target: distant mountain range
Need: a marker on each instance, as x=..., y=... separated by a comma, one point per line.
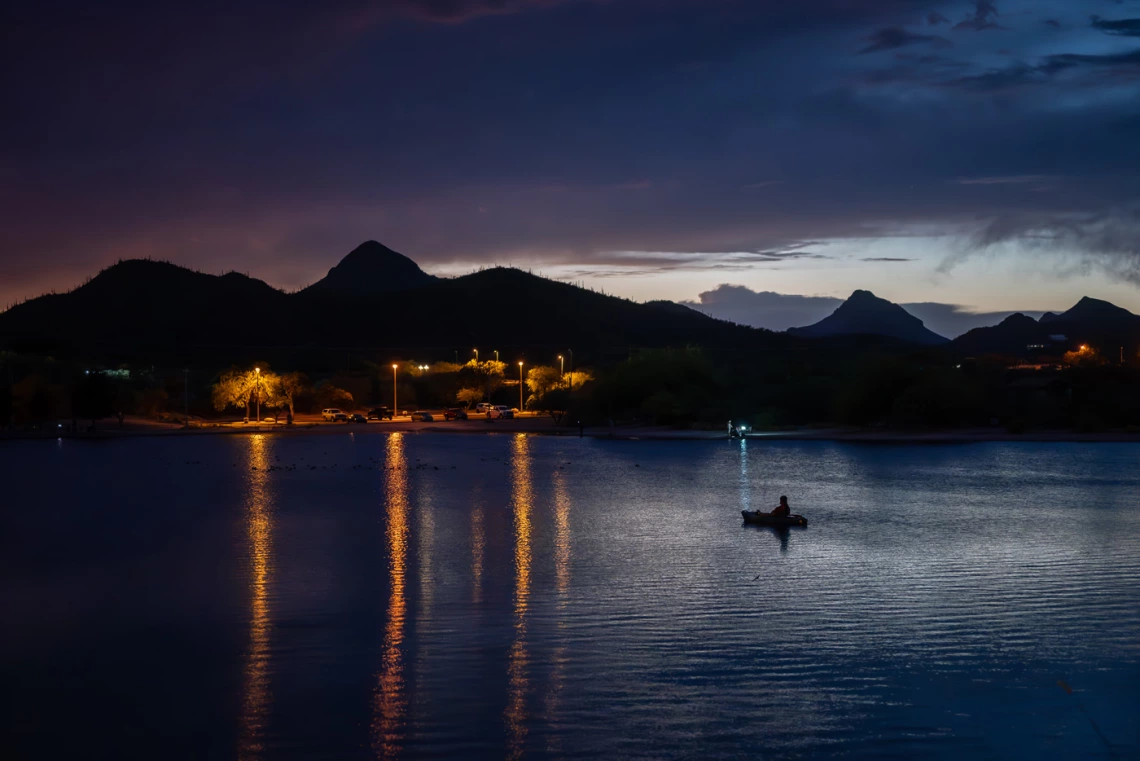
x=374, y=298
x=1092, y=322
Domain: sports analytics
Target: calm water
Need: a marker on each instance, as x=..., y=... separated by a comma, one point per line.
x=451, y=596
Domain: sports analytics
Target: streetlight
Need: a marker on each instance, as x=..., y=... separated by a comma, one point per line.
x=395, y=408
x=562, y=366
x=257, y=390
x=520, y=388
x=476, y=354
x=496, y=355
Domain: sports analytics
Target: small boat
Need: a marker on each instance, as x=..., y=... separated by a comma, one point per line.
x=767, y=519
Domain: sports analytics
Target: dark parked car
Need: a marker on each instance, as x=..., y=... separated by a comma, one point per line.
x=356, y=417
x=379, y=413
x=422, y=417
x=455, y=413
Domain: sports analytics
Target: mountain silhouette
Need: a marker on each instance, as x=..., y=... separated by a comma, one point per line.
x=373, y=299
x=1089, y=311
x=1092, y=322
x=1013, y=335
x=372, y=267
x=864, y=313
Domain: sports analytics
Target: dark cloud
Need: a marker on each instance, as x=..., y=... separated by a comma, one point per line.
x=777, y=311
x=1052, y=23
x=885, y=259
x=1107, y=240
x=895, y=37
x=984, y=17
x=275, y=137
x=1129, y=27
x=1115, y=65
x=935, y=18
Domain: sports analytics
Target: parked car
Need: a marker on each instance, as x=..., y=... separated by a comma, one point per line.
x=356, y=417
x=455, y=413
x=422, y=417
x=500, y=411
x=483, y=406
x=380, y=413
x=332, y=413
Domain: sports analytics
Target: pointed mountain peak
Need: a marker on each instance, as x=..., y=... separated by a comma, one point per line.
x=866, y=313
x=372, y=267
x=1094, y=310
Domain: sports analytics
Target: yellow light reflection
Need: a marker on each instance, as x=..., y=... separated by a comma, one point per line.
x=522, y=498
x=390, y=701
x=259, y=528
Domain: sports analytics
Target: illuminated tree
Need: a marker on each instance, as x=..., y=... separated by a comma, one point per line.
x=575, y=380
x=239, y=388
x=470, y=396
x=1084, y=356
x=234, y=388
x=487, y=375
x=288, y=387
x=542, y=379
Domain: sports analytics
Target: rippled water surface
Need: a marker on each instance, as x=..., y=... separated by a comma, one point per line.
x=465, y=596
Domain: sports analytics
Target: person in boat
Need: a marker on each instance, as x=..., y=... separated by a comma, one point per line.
x=782, y=510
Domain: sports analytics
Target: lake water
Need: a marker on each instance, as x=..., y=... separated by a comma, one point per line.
x=501, y=596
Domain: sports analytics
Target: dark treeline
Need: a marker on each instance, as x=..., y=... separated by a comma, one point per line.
x=850, y=381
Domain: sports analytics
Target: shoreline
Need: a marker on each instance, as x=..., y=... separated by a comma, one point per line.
x=544, y=426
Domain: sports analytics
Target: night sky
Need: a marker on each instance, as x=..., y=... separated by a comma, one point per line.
x=974, y=153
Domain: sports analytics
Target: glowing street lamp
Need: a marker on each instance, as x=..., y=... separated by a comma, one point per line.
x=520, y=388
x=496, y=355
x=257, y=391
x=395, y=408
x=561, y=367
x=476, y=354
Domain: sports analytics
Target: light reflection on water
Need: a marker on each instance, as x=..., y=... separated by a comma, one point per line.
x=413, y=596
x=390, y=701
x=259, y=519
x=522, y=496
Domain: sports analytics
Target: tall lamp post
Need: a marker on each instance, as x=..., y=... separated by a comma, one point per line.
x=520, y=388
x=476, y=354
x=496, y=355
x=395, y=408
x=561, y=367
x=257, y=391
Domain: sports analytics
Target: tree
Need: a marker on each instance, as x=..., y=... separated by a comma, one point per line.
x=334, y=396
x=239, y=388
x=288, y=387
x=1085, y=356
x=470, y=396
x=232, y=389
x=578, y=378
x=542, y=379
x=487, y=375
